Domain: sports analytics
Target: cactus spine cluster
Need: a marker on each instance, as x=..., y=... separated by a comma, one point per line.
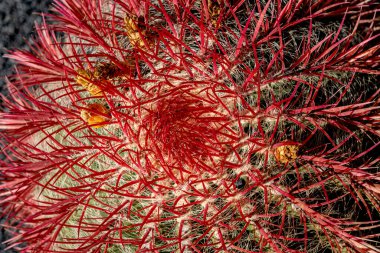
x=195, y=126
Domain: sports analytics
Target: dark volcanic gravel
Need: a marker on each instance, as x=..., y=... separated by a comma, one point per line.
x=17, y=19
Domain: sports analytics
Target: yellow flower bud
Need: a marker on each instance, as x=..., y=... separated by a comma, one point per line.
x=286, y=153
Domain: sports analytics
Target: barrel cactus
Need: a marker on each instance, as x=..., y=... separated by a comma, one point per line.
x=195, y=126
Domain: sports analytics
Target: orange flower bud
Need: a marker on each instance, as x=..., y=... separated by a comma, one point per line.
x=84, y=78
x=137, y=33
x=94, y=115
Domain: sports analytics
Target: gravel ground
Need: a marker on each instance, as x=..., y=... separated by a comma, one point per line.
x=17, y=19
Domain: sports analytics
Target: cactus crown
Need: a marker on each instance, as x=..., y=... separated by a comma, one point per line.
x=195, y=126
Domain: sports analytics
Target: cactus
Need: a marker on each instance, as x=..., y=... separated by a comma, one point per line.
x=195, y=126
